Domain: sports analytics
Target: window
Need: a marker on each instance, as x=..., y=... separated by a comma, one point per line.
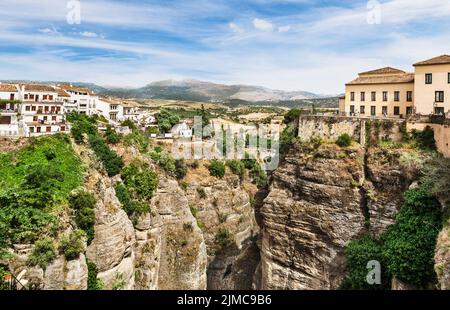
x=33, y=108
x=50, y=97
x=44, y=97
x=374, y=96
x=428, y=78
x=396, y=110
x=63, y=128
x=449, y=77
x=45, y=118
x=397, y=96
x=362, y=109
x=385, y=110
x=409, y=110
x=48, y=129
x=26, y=97
x=373, y=110
x=35, y=118
x=439, y=96
x=385, y=96
x=409, y=96
x=363, y=96
x=352, y=109
x=11, y=97
x=27, y=108
x=38, y=129
x=439, y=111
x=352, y=96
x=31, y=97
x=53, y=118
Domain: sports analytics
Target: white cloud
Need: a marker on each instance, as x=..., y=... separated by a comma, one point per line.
x=48, y=30
x=89, y=34
x=235, y=28
x=262, y=24
x=284, y=28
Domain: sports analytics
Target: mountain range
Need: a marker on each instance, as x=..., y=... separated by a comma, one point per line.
x=195, y=90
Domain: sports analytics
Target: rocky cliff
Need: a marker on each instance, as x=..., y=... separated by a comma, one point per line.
x=322, y=197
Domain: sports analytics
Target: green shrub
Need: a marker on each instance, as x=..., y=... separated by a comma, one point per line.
x=287, y=138
x=164, y=161
x=180, y=168
x=166, y=120
x=217, y=169
x=72, y=246
x=358, y=253
x=129, y=123
x=43, y=253
x=292, y=116
x=409, y=244
x=112, y=162
x=112, y=137
x=424, y=139
x=344, y=140
x=130, y=206
x=3, y=284
x=184, y=185
x=83, y=204
x=137, y=139
x=140, y=180
x=94, y=283
x=224, y=237
x=119, y=282
x=237, y=167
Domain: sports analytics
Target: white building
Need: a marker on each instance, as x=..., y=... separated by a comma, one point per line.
x=9, y=108
x=181, y=130
x=131, y=111
x=42, y=113
x=81, y=99
x=111, y=109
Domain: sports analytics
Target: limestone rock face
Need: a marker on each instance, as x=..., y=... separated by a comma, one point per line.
x=183, y=251
x=312, y=210
x=112, y=247
x=442, y=258
x=224, y=206
x=320, y=199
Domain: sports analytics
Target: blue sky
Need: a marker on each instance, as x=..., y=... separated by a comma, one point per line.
x=282, y=44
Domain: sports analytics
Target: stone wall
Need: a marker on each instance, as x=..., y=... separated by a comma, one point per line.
x=331, y=127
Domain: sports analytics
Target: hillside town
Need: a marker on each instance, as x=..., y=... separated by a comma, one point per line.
x=28, y=110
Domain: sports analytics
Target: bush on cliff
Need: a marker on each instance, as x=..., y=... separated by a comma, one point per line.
x=344, y=140
x=83, y=204
x=217, y=169
x=43, y=253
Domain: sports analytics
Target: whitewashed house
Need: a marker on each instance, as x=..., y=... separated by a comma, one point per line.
x=131, y=111
x=181, y=130
x=42, y=112
x=111, y=109
x=9, y=110
x=81, y=99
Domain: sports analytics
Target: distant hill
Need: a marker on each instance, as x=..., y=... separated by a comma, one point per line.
x=194, y=90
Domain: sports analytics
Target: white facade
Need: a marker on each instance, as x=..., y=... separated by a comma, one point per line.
x=182, y=131
x=9, y=118
x=112, y=110
x=81, y=99
x=42, y=113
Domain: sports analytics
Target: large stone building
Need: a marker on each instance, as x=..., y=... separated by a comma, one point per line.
x=390, y=92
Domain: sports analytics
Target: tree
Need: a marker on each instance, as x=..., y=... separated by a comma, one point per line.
x=217, y=169
x=180, y=168
x=111, y=136
x=166, y=120
x=344, y=140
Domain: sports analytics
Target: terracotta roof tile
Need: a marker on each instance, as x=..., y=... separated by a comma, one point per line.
x=39, y=88
x=440, y=60
x=8, y=88
x=386, y=70
x=390, y=79
x=76, y=88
